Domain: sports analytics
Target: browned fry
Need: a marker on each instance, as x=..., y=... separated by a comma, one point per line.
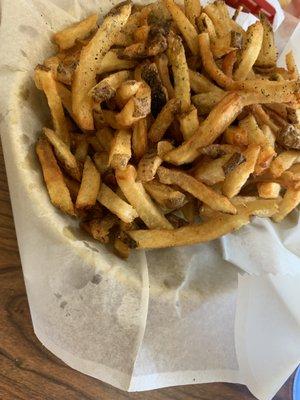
x=149, y=73
x=68, y=37
x=211, y=172
x=121, y=248
x=217, y=121
x=101, y=161
x=140, y=200
x=189, y=210
x=63, y=154
x=268, y=190
x=94, y=142
x=162, y=63
x=192, y=11
x=89, y=187
x=81, y=151
x=120, y=150
x=196, y=189
x=184, y=25
x=164, y=120
x=228, y=63
x=44, y=80
x=139, y=138
x=290, y=200
x=90, y=60
x=291, y=66
x=218, y=150
x=236, y=135
x=268, y=52
x=57, y=189
x=283, y=162
x=238, y=177
x=180, y=70
x=148, y=166
x=165, y=195
x=189, y=122
x=187, y=235
x=106, y=88
x=99, y=229
x=141, y=33
x=105, y=137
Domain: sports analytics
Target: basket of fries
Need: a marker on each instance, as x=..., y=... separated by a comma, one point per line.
x=172, y=130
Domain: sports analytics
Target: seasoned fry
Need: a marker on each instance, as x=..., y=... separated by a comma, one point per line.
x=139, y=138
x=115, y=204
x=187, y=235
x=148, y=166
x=120, y=150
x=140, y=200
x=106, y=89
x=149, y=73
x=268, y=190
x=192, y=11
x=196, y=189
x=184, y=25
x=68, y=37
x=44, y=80
x=228, y=63
x=57, y=189
x=238, y=177
x=164, y=120
x=63, y=154
x=268, y=53
x=162, y=62
x=180, y=70
x=189, y=122
x=165, y=195
x=200, y=84
x=89, y=187
x=290, y=200
x=90, y=57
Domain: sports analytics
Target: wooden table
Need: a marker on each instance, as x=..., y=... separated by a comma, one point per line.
x=29, y=372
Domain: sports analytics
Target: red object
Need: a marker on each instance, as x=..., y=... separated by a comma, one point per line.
x=254, y=7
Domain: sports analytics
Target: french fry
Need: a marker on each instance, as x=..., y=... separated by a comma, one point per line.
x=211, y=172
x=141, y=33
x=121, y=248
x=238, y=177
x=165, y=195
x=89, y=187
x=228, y=63
x=283, y=162
x=100, y=229
x=200, y=84
x=44, y=80
x=105, y=137
x=189, y=210
x=115, y=204
x=106, y=88
x=149, y=73
x=81, y=151
x=218, y=150
x=196, y=188
x=111, y=62
x=260, y=207
x=68, y=37
x=140, y=200
x=164, y=120
x=291, y=66
x=236, y=135
x=163, y=147
x=57, y=189
x=205, y=102
x=189, y=122
x=263, y=118
x=192, y=11
x=221, y=116
x=63, y=154
x=268, y=53
x=120, y=150
x=290, y=200
x=90, y=58
x=268, y=190
x=148, y=166
x=162, y=62
x=139, y=138
x=127, y=90
x=110, y=119
x=254, y=133
x=180, y=70
x=184, y=25
x=187, y=235
x=101, y=161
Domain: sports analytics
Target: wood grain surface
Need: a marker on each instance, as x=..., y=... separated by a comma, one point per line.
x=29, y=372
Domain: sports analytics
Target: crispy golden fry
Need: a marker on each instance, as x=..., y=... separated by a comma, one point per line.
x=211, y=172
x=106, y=89
x=283, y=162
x=138, y=107
x=263, y=118
x=238, y=177
x=290, y=200
x=192, y=11
x=189, y=122
x=139, y=138
x=187, y=235
x=111, y=62
x=105, y=137
x=250, y=52
x=148, y=166
x=101, y=161
x=186, y=28
x=268, y=190
x=200, y=84
x=165, y=195
x=217, y=121
x=268, y=53
x=266, y=155
x=236, y=135
x=44, y=80
x=57, y=189
x=162, y=62
x=164, y=120
x=120, y=150
x=68, y=37
x=90, y=58
x=180, y=70
x=254, y=133
x=196, y=189
x=140, y=200
x=291, y=66
x=209, y=63
x=63, y=154
x=115, y=204
x=89, y=187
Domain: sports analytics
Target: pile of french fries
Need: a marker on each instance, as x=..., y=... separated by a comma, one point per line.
x=171, y=125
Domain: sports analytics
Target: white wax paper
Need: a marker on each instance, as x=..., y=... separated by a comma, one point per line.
x=223, y=311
